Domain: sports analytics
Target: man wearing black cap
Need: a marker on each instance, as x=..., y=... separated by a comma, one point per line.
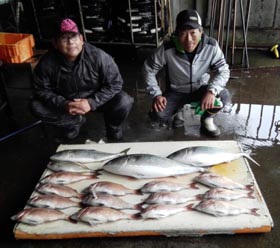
x=76, y=78
x=188, y=57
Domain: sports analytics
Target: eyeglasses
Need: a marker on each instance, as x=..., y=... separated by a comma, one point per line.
x=69, y=37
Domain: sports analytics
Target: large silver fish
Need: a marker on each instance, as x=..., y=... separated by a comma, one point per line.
x=206, y=156
x=104, y=187
x=148, y=166
x=36, y=216
x=109, y=201
x=223, y=208
x=227, y=194
x=165, y=186
x=161, y=211
x=66, y=177
x=99, y=215
x=56, y=189
x=52, y=201
x=216, y=181
x=85, y=155
x=67, y=166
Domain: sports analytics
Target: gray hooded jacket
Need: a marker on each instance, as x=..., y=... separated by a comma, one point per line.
x=183, y=75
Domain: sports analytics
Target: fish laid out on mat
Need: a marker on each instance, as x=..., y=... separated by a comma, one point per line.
x=56, y=189
x=109, y=201
x=148, y=166
x=99, y=215
x=53, y=201
x=67, y=177
x=227, y=194
x=36, y=216
x=85, y=155
x=67, y=166
x=206, y=156
x=223, y=208
x=165, y=186
x=178, y=197
x=216, y=181
x=158, y=211
x=104, y=187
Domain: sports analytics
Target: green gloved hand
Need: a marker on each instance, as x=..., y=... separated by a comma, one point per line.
x=198, y=111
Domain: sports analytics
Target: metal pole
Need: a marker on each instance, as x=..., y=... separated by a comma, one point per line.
x=247, y=25
x=233, y=32
x=244, y=36
x=228, y=27
x=82, y=20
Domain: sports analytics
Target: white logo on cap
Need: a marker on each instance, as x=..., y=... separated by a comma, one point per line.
x=193, y=18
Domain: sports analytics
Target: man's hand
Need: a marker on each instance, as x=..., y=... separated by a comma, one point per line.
x=78, y=107
x=207, y=101
x=159, y=104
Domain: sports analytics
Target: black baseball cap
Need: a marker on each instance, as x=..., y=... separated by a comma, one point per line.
x=188, y=19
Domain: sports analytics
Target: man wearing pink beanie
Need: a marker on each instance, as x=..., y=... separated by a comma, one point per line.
x=76, y=78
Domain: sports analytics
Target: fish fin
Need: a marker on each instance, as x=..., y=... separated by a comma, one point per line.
x=125, y=151
x=82, y=165
x=253, y=211
x=247, y=155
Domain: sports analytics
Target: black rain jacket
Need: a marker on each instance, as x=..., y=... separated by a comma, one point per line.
x=94, y=76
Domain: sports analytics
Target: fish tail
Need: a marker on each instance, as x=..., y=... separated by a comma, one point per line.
x=199, y=197
x=138, y=192
x=136, y=216
x=125, y=151
x=247, y=155
x=193, y=185
x=189, y=207
x=253, y=211
x=80, y=196
x=249, y=187
x=250, y=195
x=139, y=206
x=73, y=218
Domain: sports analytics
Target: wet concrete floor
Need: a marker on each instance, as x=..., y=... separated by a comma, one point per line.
x=252, y=118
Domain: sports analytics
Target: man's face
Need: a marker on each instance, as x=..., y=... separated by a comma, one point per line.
x=70, y=45
x=189, y=39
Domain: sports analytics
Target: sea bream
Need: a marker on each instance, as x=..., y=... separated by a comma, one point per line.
x=99, y=215
x=207, y=156
x=104, y=187
x=85, y=155
x=56, y=189
x=223, y=208
x=158, y=211
x=165, y=186
x=52, y=201
x=216, y=181
x=36, y=216
x=170, y=198
x=227, y=194
x=109, y=201
x=148, y=166
x=66, y=177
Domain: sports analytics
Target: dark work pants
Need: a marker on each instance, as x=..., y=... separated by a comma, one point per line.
x=115, y=113
x=176, y=100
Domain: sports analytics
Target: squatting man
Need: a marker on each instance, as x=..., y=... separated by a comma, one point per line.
x=188, y=57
